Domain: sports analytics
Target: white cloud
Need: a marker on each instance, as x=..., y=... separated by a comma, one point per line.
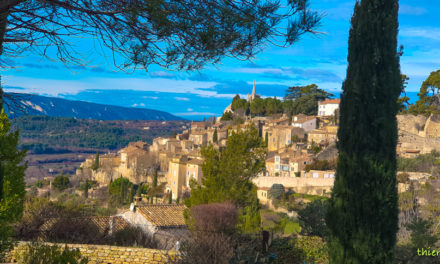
x=418, y=65
x=194, y=114
x=181, y=98
x=417, y=32
x=140, y=104
x=189, y=110
x=57, y=87
x=411, y=10
x=150, y=97
x=45, y=86
x=162, y=74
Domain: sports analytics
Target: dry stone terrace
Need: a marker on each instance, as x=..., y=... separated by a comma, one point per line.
x=98, y=254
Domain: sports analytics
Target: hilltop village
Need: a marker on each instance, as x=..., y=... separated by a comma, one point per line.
x=297, y=148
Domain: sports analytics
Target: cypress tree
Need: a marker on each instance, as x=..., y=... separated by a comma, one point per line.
x=215, y=136
x=86, y=189
x=363, y=209
x=95, y=165
x=155, y=177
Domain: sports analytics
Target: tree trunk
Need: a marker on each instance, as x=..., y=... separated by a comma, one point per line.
x=4, y=12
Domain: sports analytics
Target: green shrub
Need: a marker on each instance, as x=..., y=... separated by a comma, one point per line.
x=227, y=116
x=313, y=249
x=121, y=191
x=321, y=165
x=38, y=253
x=312, y=219
x=403, y=178
x=276, y=191
x=61, y=182
x=133, y=236
x=42, y=183
x=421, y=163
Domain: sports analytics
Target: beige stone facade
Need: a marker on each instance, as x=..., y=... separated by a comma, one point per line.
x=199, y=138
x=281, y=136
x=318, y=186
x=263, y=195
x=318, y=174
x=324, y=135
x=289, y=164
x=181, y=171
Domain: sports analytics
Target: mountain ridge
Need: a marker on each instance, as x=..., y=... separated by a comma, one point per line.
x=30, y=104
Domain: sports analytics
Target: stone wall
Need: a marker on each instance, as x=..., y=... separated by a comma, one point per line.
x=112, y=254
x=432, y=127
x=411, y=123
x=299, y=185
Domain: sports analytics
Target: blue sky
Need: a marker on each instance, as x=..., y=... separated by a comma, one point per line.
x=319, y=59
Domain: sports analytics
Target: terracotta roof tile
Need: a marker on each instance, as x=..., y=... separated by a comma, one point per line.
x=102, y=222
x=195, y=161
x=163, y=215
x=330, y=101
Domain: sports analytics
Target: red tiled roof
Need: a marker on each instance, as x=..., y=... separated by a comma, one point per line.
x=170, y=215
x=330, y=101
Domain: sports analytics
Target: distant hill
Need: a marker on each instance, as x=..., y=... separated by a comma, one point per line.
x=28, y=104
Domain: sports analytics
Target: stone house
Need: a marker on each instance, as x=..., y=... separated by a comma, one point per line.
x=328, y=107
x=135, y=162
x=199, y=139
x=176, y=176
x=107, y=168
x=281, y=136
x=164, y=159
x=159, y=144
x=287, y=164
x=181, y=170
x=173, y=145
x=197, y=126
x=194, y=171
x=165, y=222
x=186, y=145
x=318, y=174
x=324, y=135
x=263, y=195
x=307, y=123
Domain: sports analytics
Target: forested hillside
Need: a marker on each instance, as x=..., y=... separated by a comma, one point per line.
x=31, y=104
x=48, y=135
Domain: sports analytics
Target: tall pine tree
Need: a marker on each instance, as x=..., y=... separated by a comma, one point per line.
x=362, y=214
